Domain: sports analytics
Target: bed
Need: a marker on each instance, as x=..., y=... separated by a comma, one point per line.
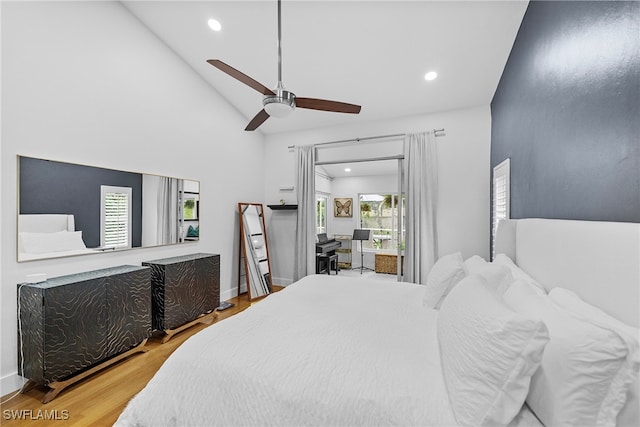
x=49, y=235
x=330, y=350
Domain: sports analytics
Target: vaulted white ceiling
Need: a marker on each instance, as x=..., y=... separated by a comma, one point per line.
x=371, y=53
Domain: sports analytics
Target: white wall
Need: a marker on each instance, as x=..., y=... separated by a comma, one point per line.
x=85, y=82
x=323, y=181
x=463, y=182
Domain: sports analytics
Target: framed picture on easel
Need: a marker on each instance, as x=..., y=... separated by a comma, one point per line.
x=343, y=207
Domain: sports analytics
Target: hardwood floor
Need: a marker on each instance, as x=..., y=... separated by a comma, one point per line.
x=99, y=399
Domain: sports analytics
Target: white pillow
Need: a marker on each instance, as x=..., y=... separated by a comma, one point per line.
x=40, y=243
x=444, y=275
x=518, y=273
x=581, y=368
x=488, y=353
x=497, y=276
x=474, y=263
x=569, y=301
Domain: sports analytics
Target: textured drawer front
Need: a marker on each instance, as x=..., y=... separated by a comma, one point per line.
x=183, y=288
x=157, y=295
x=129, y=309
x=180, y=289
x=31, y=341
x=72, y=322
x=75, y=327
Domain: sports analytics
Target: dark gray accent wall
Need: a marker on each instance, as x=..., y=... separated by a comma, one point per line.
x=49, y=187
x=567, y=112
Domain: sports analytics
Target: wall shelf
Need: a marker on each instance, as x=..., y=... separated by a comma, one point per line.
x=283, y=207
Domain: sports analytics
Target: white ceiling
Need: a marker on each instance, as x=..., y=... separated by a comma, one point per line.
x=371, y=53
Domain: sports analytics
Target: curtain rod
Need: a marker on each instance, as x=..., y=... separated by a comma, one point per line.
x=372, y=159
x=368, y=138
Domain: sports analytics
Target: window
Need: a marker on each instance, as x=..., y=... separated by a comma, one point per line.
x=190, y=206
x=501, y=198
x=115, y=217
x=321, y=213
x=379, y=213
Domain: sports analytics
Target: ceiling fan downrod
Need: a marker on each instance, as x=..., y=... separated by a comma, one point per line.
x=283, y=102
x=279, y=46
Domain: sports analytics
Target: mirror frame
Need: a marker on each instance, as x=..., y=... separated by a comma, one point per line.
x=258, y=285
x=148, y=242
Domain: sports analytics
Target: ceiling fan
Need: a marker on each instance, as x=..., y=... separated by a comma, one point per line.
x=280, y=102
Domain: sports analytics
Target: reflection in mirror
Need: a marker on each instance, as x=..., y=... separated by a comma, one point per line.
x=68, y=209
x=255, y=249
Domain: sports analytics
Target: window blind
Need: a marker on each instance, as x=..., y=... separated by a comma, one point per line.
x=501, y=198
x=115, y=225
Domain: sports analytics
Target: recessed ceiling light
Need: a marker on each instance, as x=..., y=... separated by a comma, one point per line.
x=347, y=169
x=430, y=75
x=214, y=24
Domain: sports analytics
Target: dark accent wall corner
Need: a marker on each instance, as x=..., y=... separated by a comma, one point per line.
x=567, y=112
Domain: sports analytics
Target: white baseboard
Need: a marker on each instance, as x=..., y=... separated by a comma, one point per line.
x=232, y=293
x=228, y=294
x=282, y=281
x=11, y=384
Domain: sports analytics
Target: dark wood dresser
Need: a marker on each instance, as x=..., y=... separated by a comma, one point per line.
x=185, y=290
x=72, y=326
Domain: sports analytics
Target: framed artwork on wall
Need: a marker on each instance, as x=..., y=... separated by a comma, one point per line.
x=343, y=207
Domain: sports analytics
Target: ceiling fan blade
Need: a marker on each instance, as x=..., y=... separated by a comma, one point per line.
x=257, y=120
x=326, y=105
x=238, y=75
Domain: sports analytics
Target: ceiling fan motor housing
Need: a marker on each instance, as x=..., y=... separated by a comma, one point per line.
x=281, y=104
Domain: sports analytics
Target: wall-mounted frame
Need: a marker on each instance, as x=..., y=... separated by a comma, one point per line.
x=255, y=250
x=343, y=207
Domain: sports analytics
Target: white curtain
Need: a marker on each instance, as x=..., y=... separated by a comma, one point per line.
x=304, y=262
x=168, y=210
x=421, y=189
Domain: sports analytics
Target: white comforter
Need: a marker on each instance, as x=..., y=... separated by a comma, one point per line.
x=326, y=350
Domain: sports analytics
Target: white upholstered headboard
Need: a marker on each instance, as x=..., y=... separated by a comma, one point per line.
x=600, y=261
x=46, y=223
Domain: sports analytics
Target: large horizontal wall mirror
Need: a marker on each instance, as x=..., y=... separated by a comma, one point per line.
x=255, y=250
x=67, y=209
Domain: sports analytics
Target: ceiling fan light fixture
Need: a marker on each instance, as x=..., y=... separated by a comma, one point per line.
x=279, y=105
x=276, y=109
